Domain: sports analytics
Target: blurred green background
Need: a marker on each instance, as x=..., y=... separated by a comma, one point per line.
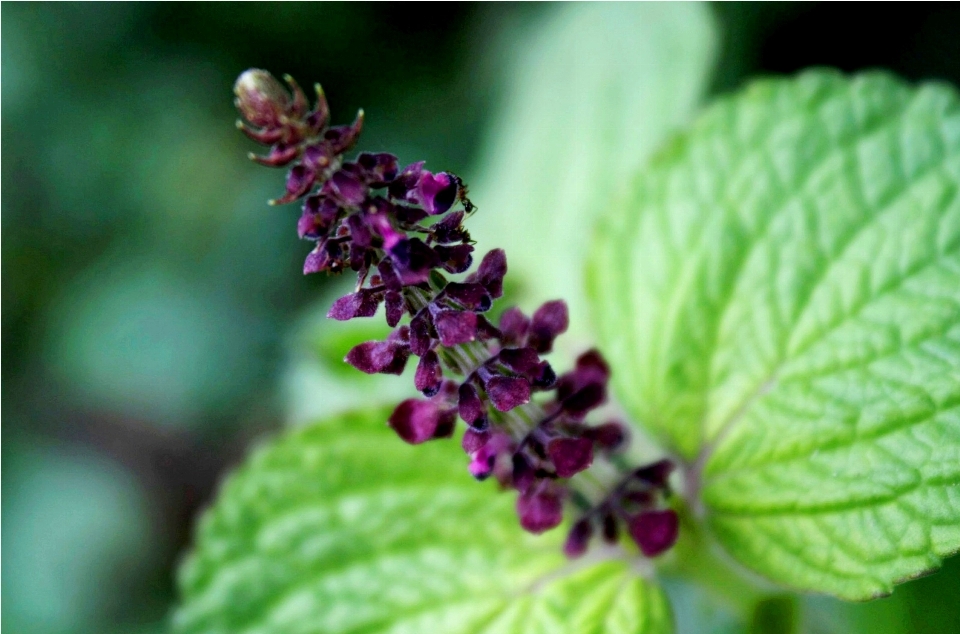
x=155, y=323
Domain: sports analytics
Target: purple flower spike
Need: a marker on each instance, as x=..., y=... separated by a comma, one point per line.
x=363, y=303
x=399, y=231
x=548, y=322
x=578, y=539
x=417, y=421
x=655, y=531
x=570, y=456
x=507, y=393
x=379, y=357
x=540, y=510
x=429, y=376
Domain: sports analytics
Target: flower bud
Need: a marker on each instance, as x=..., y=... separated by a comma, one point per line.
x=261, y=99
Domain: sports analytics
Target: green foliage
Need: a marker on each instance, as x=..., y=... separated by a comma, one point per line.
x=591, y=96
x=780, y=299
x=340, y=527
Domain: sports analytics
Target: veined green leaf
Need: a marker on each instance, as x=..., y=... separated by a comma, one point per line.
x=780, y=300
x=340, y=527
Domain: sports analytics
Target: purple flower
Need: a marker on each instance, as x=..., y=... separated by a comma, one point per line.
x=417, y=421
x=655, y=531
x=578, y=539
x=570, y=456
x=540, y=509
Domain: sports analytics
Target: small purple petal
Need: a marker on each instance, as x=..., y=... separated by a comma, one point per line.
x=309, y=226
x=421, y=338
x=348, y=188
x=389, y=275
x=324, y=257
x=407, y=214
x=266, y=136
x=342, y=138
x=359, y=231
x=317, y=119
x=508, y=392
x=514, y=325
x=406, y=181
x=436, y=192
x=593, y=364
x=299, y=181
x=549, y=321
x=473, y=440
x=519, y=360
x=417, y=421
x=455, y=259
x=469, y=404
x=317, y=157
x=455, y=327
x=609, y=436
x=413, y=260
x=655, y=531
x=383, y=357
x=570, y=456
x=491, y=272
x=656, y=473
x=472, y=297
x=523, y=476
x=585, y=399
x=323, y=211
x=482, y=464
x=578, y=538
x=486, y=330
x=394, y=304
x=429, y=375
x=280, y=154
x=400, y=335
x=539, y=511
x=378, y=169
x=363, y=303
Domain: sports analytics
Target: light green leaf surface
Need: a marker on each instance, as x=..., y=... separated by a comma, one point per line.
x=340, y=527
x=594, y=89
x=780, y=299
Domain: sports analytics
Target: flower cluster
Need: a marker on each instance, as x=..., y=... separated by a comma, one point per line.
x=398, y=230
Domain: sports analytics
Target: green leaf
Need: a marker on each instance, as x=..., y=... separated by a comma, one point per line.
x=340, y=527
x=595, y=88
x=780, y=299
